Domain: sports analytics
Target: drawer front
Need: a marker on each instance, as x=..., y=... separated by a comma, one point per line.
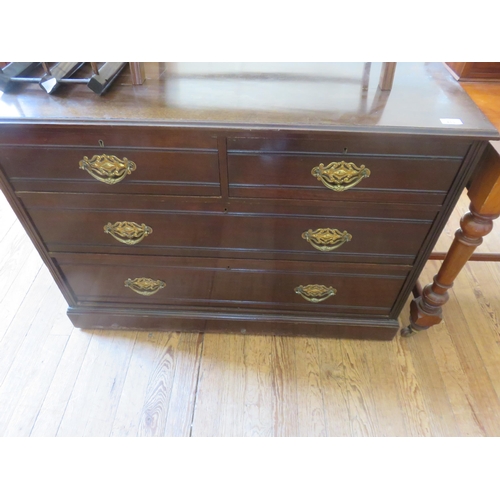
x=218, y=234
x=158, y=281
x=114, y=136
x=191, y=173
x=351, y=143
x=330, y=178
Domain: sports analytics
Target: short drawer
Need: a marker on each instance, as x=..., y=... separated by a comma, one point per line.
x=340, y=178
x=161, y=281
x=104, y=170
x=219, y=234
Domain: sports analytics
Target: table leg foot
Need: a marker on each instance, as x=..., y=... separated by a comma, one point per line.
x=408, y=331
x=426, y=309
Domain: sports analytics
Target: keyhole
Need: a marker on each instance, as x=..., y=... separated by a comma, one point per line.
x=101, y=143
x=345, y=150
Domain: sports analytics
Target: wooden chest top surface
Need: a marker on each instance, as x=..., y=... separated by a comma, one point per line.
x=276, y=96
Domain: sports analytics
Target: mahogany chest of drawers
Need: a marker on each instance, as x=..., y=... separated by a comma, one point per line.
x=212, y=225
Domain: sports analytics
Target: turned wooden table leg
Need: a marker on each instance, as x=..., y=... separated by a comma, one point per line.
x=484, y=193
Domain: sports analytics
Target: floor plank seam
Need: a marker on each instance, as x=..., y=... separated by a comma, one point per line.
x=113, y=417
x=124, y=379
x=322, y=389
x=296, y=389
x=48, y=388
x=6, y=231
x=26, y=333
x=21, y=304
x=466, y=371
x=197, y=384
x=71, y=393
x=174, y=377
x=494, y=320
x=446, y=395
x=344, y=383
x=410, y=370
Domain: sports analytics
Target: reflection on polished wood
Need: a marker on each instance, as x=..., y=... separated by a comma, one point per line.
x=387, y=75
x=326, y=96
x=137, y=73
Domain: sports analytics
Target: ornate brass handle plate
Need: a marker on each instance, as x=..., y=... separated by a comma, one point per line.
x=107, y=168
x=340, y=176
x=144, y=286
x=129, y=233
x=326, y=239
x=315, y=293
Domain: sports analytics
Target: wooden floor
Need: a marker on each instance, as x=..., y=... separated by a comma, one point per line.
x=56, y=380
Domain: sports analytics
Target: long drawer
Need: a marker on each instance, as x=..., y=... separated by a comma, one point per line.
x=323, y=177
x=357, y=234
x=154, y=282
x=86, y=170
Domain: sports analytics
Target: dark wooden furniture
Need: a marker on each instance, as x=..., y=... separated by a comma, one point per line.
x=284, y=199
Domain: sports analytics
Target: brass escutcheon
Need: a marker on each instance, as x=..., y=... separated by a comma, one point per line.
x=315, y=293
x=340, y=176
x=326, y=239
x=107, y=168
x=144, y=286
x=129, y=233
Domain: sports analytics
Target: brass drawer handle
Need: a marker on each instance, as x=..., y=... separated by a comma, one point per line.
x=340, y=176
x=145, y=286
x=315, y=293
x=107, y=168
x=326, y=239
x=129, y=233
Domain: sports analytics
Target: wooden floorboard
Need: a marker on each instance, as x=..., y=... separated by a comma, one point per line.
x=28, y=350
x=57, y=380
x=58, y=394
x=360, y=401
x=386, y=392
x=334, y=388
x=310, y=401
x=220, y=398
x=258, y=420
x=96, y=393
